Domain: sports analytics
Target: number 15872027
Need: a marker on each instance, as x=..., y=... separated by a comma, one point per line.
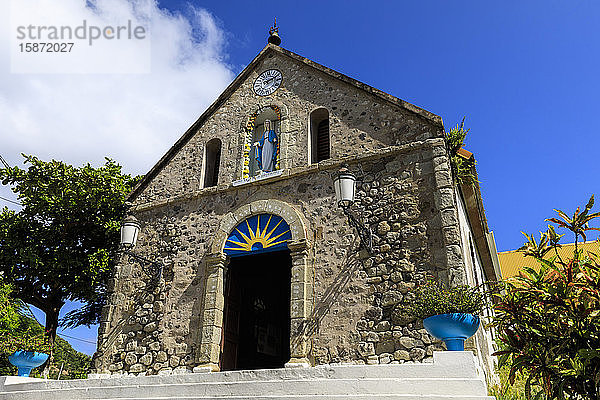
x=42, y=47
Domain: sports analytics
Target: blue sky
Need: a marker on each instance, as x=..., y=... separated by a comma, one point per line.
x=525, y=75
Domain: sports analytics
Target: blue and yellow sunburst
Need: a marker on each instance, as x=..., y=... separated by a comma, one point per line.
x=258, y=234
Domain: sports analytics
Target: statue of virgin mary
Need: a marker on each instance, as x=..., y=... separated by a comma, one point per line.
x=266, y=154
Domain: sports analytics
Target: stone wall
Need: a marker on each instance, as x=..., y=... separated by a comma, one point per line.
x=415, y=234
x=350, y=307
x=356, y=313
x=359, y=122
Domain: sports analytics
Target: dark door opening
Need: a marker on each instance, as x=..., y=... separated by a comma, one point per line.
x=256, y=325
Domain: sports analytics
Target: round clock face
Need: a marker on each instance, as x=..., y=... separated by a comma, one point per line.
x=267, y=82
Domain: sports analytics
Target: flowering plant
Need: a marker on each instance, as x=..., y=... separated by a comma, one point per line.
x=26, y=341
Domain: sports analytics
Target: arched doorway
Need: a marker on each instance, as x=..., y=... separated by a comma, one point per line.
x=216, y=264
x=257, y=295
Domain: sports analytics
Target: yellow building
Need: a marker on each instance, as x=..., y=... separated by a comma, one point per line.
x=513, y=261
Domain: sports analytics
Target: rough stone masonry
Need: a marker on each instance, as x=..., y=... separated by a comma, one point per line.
x=346, y=306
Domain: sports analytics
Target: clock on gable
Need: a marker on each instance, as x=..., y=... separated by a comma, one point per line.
x=268, y=82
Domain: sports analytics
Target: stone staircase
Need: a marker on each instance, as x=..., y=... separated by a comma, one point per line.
x=452, y=376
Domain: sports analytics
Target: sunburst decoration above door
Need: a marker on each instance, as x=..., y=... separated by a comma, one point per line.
x=258, y=234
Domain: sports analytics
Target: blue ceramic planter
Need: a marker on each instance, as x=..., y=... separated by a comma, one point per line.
x=26, y=361
x=453, y=329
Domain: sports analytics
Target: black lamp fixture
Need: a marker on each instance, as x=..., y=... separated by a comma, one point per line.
x=345, y=190
x=130, y=227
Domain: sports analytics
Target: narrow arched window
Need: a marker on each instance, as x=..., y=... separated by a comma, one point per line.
x=211, y=162
x=319, y=135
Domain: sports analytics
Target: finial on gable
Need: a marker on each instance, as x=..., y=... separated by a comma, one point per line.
x=274, y=34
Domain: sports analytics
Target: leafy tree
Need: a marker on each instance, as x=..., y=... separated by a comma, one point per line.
x=58, y=246
x=68, y=362
x=549, y=320
x=16, y=330
x=9, y=309
x=16, y=326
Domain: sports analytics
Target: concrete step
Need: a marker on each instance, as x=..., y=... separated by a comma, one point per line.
x=452, y=376
x=437, y=386
x=323, y=397
x=445, y=365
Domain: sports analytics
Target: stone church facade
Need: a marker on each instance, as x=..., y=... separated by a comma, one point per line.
x=260, y=268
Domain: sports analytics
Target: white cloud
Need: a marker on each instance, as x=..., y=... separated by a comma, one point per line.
x=132, y=118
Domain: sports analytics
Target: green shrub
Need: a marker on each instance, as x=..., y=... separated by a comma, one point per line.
x=432, y=298
x=462, y=168
x=28, y=340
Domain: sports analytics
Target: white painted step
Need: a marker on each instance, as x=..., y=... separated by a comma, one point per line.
x=340, y=397
x=453, y=375
x=437, y=386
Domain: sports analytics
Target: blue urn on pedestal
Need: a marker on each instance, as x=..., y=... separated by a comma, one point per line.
x=26, y=361
x=453, y=328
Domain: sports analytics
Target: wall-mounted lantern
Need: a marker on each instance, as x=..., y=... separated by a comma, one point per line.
x=130, y=227
x=345, y=187
x=345, y=190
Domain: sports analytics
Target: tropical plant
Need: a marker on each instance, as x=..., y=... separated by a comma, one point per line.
x=58, y=246
x=549, y=320
x=432, y=298
x=462, y=168
x=504, y=390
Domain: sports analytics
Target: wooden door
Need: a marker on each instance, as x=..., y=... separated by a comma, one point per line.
x=256, y=318
x=230, y=335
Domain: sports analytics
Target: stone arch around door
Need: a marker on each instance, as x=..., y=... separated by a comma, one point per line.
x=216, y=261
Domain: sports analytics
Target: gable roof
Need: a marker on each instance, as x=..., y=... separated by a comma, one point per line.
x=435, y=119
x=513, y=261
